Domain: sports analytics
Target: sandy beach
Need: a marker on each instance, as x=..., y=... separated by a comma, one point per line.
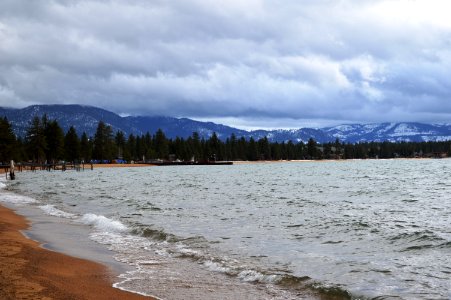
x=28, y=271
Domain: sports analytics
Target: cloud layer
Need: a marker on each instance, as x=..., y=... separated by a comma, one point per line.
x=285, y=63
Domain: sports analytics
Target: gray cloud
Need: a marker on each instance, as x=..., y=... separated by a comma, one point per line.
x=250, y=63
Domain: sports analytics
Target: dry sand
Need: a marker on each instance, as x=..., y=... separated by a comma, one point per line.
x=28, y=271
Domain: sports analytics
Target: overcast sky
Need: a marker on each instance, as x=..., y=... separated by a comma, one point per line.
x=246, y=63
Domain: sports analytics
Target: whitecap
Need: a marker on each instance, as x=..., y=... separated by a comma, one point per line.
x=254, y=276
x=53, y=211
x=103, y=223
x=216, y=267
x=16, y=199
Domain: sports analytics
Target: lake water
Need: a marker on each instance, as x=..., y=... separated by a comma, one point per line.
x=300, y=230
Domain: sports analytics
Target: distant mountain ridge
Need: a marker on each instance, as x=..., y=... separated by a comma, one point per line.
x=86, y=118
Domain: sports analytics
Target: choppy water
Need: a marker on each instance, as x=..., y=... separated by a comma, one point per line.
x=352, y=229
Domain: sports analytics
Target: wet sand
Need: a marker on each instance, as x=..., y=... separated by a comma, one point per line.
x=28, y=271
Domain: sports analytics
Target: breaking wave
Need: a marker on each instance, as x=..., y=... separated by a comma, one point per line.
x=103, y=223
x=53, y=211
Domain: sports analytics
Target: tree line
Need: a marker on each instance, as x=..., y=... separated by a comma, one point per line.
x=45, y=141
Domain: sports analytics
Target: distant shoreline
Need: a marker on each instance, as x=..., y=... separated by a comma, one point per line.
x=119, y=165
x=247, y=162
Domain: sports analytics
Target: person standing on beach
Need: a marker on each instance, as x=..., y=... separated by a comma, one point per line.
x=12, y=176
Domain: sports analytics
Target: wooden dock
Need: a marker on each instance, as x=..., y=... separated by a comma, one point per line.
x=19, y=167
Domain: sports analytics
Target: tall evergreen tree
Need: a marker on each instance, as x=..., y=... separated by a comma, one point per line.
x=54, y=137
x=338, y=148
x=8, y=144
x=195, y=146
x=264, y=148
x=85, y=148
x=119, y=140
x=130, y=154
x=20, y=153
x=35, y=140
x=311, y=149
x=179, y=149
x=233, y=147
x=161, y=144
x=276, y=151
x=103, y=142
x=150, y=152
x=252, y=150
x=241, y=149
x=214, y=148
x=327, y=153
x=140, y=150
x=72, y=148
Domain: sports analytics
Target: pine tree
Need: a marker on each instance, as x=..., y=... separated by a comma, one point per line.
x=338, y=148
x=103, y=142
x=72, y=148
x=214, y=148
x=195, y=146
x=180, y=149
x=85, y=148
x=290, y=150
x=161, y=144
x=8, y=142
x=242, y=149
x=35, y=140
x=150, y=152
x=252, y=150
x=264, y=148
x=276, y=151
x=311, y=149
x=233, y=147
x=20, y=153
x=54, y=137
x=140, y=150
x=130, y=154
x=119, y=140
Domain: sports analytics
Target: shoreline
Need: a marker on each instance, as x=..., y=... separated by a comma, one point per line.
x=29, y=271
x=247, y=162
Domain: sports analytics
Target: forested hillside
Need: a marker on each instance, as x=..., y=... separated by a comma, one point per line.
x=86, y=118
x=45, y=140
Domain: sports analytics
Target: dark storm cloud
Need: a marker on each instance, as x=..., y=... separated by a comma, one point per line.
x=268, y=62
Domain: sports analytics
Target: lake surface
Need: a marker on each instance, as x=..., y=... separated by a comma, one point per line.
x=298, y=230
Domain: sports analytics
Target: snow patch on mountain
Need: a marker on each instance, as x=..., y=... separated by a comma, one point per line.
x=86, y=118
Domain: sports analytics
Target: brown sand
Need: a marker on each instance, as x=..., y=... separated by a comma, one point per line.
x=28, y=271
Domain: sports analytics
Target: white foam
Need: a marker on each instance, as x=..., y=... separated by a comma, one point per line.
x=16, y=199
x=9, y=197
x=216, y=267
x=254, y=276
x=103, y=223
x=53, y=211
x=188, y=251
x=129, y=276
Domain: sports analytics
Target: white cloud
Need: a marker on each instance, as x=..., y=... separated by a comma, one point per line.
x=282, y=62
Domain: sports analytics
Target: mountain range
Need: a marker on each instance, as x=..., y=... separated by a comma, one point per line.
x=86, y=118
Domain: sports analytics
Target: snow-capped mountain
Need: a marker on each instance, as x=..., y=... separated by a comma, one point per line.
x=86, y=118
x=393, y=132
